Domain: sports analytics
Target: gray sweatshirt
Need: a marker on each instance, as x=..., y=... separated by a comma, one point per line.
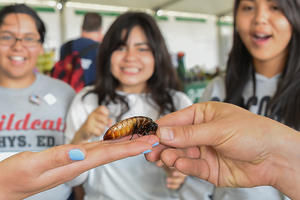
x=33, y=119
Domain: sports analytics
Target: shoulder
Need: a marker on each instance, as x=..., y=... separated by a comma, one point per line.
x=64, y=45
x=84, y=94
x=180, y=99
x=85, y=91
x=178, y=94
x=215, y=90
x=218, y=81
x=55, y=84
x=84, y=42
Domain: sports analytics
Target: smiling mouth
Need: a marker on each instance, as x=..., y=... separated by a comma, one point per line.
x=261, y=37
x=130, y=69
x=16, y=58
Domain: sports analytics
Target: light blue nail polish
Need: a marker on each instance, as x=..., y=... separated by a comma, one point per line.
x=154, y=145
x=148, y=151
x=76, y=154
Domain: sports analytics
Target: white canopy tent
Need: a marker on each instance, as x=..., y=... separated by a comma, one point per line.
x=191, y=26
x=211, y=7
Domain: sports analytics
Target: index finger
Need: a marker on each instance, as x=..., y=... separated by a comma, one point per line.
x=182, y=117
x=62, y=169
x=154, y=155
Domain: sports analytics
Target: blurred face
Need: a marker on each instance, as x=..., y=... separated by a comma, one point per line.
x=264, y=29
x=18, y=58
x=133, y=63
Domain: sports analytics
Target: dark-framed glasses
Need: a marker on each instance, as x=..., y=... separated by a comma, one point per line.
x=9, y=39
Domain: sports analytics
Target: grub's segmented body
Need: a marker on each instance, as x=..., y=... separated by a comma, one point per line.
x=134, y=125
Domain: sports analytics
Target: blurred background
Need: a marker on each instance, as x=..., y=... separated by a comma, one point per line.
x=198, y=32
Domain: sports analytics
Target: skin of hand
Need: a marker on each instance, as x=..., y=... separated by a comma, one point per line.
x=229, y=146
x=94, y=125
x=175, y=179
x=28, y=173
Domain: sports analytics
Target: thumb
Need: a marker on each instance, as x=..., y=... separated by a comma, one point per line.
x=189, y=135
x=102, y=110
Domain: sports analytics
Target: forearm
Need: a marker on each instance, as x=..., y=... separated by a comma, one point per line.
x=4, y=194
x=287, y=166
x=7, y=189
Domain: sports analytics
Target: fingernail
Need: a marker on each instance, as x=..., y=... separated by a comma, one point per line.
x=148, y=151
x=76, y=155
x=155, y=144
x=166, y=133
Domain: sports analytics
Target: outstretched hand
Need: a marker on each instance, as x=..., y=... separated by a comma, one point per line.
x=28, y=173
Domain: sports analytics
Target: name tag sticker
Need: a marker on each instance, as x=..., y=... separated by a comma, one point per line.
x=50, y=99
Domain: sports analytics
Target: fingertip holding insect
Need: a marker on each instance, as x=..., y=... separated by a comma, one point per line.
x=166, y=134
x=147, y=151
x=155, y=144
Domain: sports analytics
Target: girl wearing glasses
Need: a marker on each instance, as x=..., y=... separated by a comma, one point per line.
x=33, y=106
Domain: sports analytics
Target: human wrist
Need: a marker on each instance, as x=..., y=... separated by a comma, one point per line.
x=7, y=194
x=287, y=165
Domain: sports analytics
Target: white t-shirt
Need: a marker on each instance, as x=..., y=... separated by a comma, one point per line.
x=131, y=178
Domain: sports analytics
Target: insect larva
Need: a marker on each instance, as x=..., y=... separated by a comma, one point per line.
x=135, y=125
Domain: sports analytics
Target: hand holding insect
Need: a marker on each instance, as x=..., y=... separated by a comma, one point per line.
x=62, y=163
x=229, y=146
x=94, y=125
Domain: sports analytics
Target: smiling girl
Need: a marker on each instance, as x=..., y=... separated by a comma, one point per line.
x=263, y=71
x=135, y=78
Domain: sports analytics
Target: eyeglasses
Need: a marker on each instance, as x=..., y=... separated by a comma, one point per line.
x=8, y=39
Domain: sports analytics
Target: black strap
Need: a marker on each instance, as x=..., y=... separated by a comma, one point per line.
x=67, y=49
x=84, y=51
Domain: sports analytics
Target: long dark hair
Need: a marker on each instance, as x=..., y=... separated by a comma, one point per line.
x=24, y=9
x=285, y=104
x=160, y=83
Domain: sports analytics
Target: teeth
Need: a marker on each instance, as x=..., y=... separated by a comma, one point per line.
x=17, y=58
x=261, y=36
x=131, y=69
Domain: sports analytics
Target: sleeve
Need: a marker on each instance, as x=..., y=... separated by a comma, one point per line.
x=62, y=52
x=76, y=116
x=78, y=180
x=181, y=100
x=207, y=94
x=65, y=49
x=215, y=91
